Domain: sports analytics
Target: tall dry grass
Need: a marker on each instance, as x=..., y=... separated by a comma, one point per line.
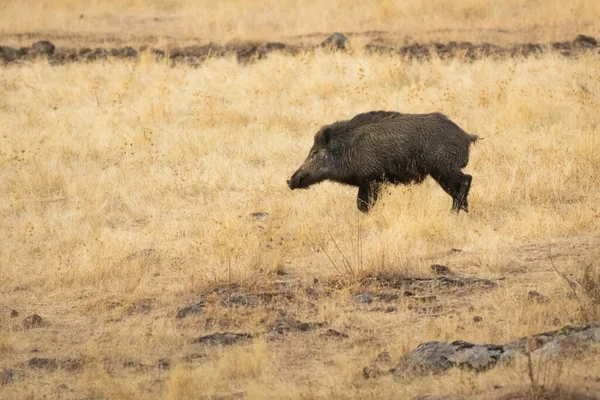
x=102, y=160
x=131, y=181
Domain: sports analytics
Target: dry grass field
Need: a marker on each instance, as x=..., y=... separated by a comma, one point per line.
x=101, y=22
x=132, y=188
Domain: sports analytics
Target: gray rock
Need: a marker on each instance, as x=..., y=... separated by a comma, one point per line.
x=52, y=364
x=273, y=335
x=441, y=269
x=586, y=41
x=196, y=308
x=244, y=300
x=568, y=340
x=380, y=367
x=41, y=48
x=287, y=323
x=164, y=363
x=7, y=376
x=259, y=216
x=33, y=321
x=364, y=298
x=537, y=297
x=8, y=54
x=225, y=338
x=337, y=41
x=334, y=333
x=436, y=357
x=419, y=284
x=195, y=357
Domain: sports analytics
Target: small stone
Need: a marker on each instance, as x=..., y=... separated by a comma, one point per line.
x=62, y=387
x=337, y=41
x=7, y=376
x=286, y=322
x=334, y=333
x=379, y=367
x=384, y=357
x=533, y=295
x=364, y=298
x=33, y=321
x=259, y=216
x=132, y=364
x=14, y=314
x=195, y=356
x=225, y=338
x=387, y=296
x=586, y=40
x=304, y=326
x=477, y=319
x=390, y=309
x=425, y=299
x=49, y=364
x=274, y=334
x=246, y=300
x=191, y=309
x=441, y=269
x=8, y=54
x=164, y=363
x=41, y=48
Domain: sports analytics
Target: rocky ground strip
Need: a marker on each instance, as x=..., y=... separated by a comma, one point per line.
x=437, y=357
x=251, y=51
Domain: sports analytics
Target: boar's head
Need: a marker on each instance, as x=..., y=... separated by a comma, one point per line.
x=318, y=165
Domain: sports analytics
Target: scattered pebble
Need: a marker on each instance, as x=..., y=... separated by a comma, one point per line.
x=33, y=321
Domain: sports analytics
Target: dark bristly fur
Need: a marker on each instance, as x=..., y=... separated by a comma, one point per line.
x=383, y=146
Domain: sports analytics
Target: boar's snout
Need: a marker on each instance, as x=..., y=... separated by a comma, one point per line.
x=298, y=180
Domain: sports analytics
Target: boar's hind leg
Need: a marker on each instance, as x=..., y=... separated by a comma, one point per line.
x=463, y=193
x=457, y=185
x=367, y=196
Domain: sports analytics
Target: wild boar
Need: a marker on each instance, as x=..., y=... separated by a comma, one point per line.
x=380, y=147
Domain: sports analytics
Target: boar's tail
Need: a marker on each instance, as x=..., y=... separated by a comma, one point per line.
x=474, y=138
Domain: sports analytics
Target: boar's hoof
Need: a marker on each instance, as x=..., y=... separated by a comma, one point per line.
x=363, y=206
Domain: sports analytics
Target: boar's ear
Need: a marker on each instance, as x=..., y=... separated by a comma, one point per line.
x=325, y=135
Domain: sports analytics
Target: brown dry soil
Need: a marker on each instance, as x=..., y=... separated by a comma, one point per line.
x=284, y=310
x=250, y=51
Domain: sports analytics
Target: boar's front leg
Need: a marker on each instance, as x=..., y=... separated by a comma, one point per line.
x=367, y=196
